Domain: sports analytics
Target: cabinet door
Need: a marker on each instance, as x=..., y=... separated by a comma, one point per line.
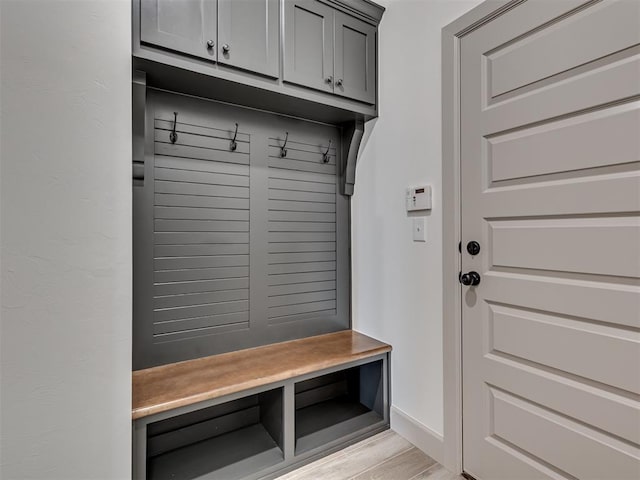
x=355, y=58
x=185, y=26
x=308, y=44
x=248, y=35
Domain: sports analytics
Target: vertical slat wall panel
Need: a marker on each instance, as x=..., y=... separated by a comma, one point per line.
x=302, y=251
x=201, y=232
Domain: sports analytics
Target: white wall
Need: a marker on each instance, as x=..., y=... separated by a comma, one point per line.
x=65, y=229
x=65, y=325
x=398, y=283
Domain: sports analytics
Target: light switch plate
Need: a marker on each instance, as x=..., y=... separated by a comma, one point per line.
x=419, y=230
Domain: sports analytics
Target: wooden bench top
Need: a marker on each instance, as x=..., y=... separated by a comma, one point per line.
x=166, y=387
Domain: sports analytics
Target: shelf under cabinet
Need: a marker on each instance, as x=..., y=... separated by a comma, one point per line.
x=227, y=441
x=331, y=420
x=336, y=405
x=230, y=456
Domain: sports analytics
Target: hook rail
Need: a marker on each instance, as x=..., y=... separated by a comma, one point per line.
x=325, y=156
x=173, y=136
x=233, y=145
x=283, y=150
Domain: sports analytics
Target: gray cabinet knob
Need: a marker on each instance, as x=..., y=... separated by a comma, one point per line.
x=329, y=79
x=339, y=82
x=210, y=44
x=226, y=48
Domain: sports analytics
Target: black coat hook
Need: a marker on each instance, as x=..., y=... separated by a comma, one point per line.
x=233, y=145
x=283, y=151
x=325, y=156
x=173, y=136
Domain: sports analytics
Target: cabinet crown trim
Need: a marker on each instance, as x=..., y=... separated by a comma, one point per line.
x=365, y=9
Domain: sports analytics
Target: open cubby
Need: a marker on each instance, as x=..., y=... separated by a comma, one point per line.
x=230, y=440
x=338, y=404
x=259, y=413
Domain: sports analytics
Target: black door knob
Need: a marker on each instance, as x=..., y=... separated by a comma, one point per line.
x=470, y=279
x=473, y=247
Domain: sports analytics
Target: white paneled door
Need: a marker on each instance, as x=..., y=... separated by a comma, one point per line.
x=550, y=168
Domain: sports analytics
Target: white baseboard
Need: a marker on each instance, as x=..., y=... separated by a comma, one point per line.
x=417, y=433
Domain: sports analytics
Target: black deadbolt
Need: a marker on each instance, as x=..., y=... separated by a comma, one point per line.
x=470, y=279
x=473, y=247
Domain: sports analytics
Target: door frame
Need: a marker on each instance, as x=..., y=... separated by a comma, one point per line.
x=451, y=224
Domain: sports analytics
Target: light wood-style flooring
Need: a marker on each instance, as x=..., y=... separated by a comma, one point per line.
x=386, y=456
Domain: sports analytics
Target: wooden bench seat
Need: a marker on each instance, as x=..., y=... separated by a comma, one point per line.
x=167, y=387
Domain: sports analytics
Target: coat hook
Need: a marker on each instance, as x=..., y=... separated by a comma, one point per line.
x=173, y=136
x=283, y=151
x=233, y=145
x=325, y=156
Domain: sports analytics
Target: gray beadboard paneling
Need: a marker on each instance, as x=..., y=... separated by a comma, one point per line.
x=183, y=188
x=302, y=206
x=278, y=183
x=198, y=153
x=293, y=226
x=301, y=237
x=301, y=196
x=303, y=172
x=200, y=283
x=200, y=201
x=199, y=238
x=306, y=257
x=292, y=247
x=295, y=278
x=164, y=289
x=182, y=325
x=203, y=298
x=235, y=248
x=201, y=249
x=179, y=226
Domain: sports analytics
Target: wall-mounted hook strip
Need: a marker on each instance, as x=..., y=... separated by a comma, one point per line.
x=325, y=156
x=233, y=145
x=283, y=150
x=173, y=136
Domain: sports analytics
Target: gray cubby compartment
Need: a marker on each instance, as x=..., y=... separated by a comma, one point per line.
x=335, y=405
x=231, y=440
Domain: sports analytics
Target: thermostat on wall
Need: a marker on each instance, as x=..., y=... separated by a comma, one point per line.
x=419, y=198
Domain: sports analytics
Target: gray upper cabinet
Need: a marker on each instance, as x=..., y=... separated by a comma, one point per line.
x=308, y=44
x=248, y=35
x=328, y=50
x=313, y=59
x=186, y=26
x=355, y=58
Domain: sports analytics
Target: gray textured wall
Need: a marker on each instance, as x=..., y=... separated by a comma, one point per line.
x=65, y=325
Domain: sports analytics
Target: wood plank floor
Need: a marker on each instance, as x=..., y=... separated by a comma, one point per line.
x=386, y=456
